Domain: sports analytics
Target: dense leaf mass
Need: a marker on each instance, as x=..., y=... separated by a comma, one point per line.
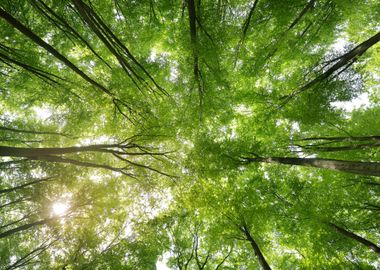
x=161, y=134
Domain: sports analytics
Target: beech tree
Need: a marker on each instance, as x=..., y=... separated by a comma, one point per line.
x=189, y=134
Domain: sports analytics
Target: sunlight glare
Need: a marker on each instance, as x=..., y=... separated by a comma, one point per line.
x=59, y=208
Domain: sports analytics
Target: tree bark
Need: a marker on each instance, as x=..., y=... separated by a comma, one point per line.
x=14, y=202
x=344, y=138
x=321, y=147
x=256, y=248
x=17, y=221
x=63, y=25
x=308, y=6
x=357, y=167
x=7, y=190
x=8, y=151
x=113, y=43
x=193, y=36
x=356, y=237
x=31, y=255
x=33, y=132
x=56, y=154
x=248, y=20
x=25, y=227
x=36, y=39
x=346, y=143
x=344, y=60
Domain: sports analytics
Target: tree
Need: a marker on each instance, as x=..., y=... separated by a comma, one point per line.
x=366, y=168
x=200, y=135
x=256, y=248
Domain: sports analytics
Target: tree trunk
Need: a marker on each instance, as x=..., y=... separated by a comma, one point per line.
x=248, y=20
x=7, y=190
x=357, y=238
x=8, y=151
x=345, y=138
x=24, y=260
x=14, y=202
x=357, y=167
x=112, y=42
x=256, y=248
x=33, y=132
x=308, y=6
x=351, y=147
x=193, y=35
x=55, y=154
x=40, y=42
x=344, y=60
x=17, y=221
x=24, y=227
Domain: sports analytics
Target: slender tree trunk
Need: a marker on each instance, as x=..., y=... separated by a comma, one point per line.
x=14, y=202
x=345, y=138
x=223, y=260
x=30, y=255
x=17, y=221
x=111, y=41
x=256, y=248
x=56, y=155
x=353, y=146
x=344, y=60
x=33, y=132
x=357, y=167
x=36, y=39
x=8, y=151
x=191, y=7
x=356, y=237
x=308, y=6
x=25, y=227
x=247, y=22
x=7, y=190
x=84, y=164
x=193, y=35
x=63, y=25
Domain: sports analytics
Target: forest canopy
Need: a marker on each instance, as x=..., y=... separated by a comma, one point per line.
x=194, y=134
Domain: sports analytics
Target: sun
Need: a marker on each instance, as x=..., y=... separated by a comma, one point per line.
x=59, y=208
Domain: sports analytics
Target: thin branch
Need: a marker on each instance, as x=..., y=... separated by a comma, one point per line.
x=308, y=6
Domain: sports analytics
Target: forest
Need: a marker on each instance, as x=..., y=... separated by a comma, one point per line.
x=193, y=134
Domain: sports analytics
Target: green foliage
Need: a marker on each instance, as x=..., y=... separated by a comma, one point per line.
x=170, y=118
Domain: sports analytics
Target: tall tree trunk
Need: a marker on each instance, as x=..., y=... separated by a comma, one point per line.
x=356, y=237
x=14, y=202
x=17, y=221
x=7, y=190
x=33, y=132
x=308, y=6
x=256, y=248
x=346, y=143
x=63, y=25
x=25, y=227
x=191, y=7
x=357, y=167
x=112, y=42
x=40, y=42
x=248, y=20
x=31, y=255
x=344, y=138
x=55, y=154
x=193, y=36
x=345, y=60
x=8, y=151
x=323, y=147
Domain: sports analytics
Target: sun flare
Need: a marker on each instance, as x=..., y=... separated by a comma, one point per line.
x=59, y=208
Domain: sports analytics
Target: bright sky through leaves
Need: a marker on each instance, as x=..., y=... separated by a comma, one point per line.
x=162, y=134
x=59, y=208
